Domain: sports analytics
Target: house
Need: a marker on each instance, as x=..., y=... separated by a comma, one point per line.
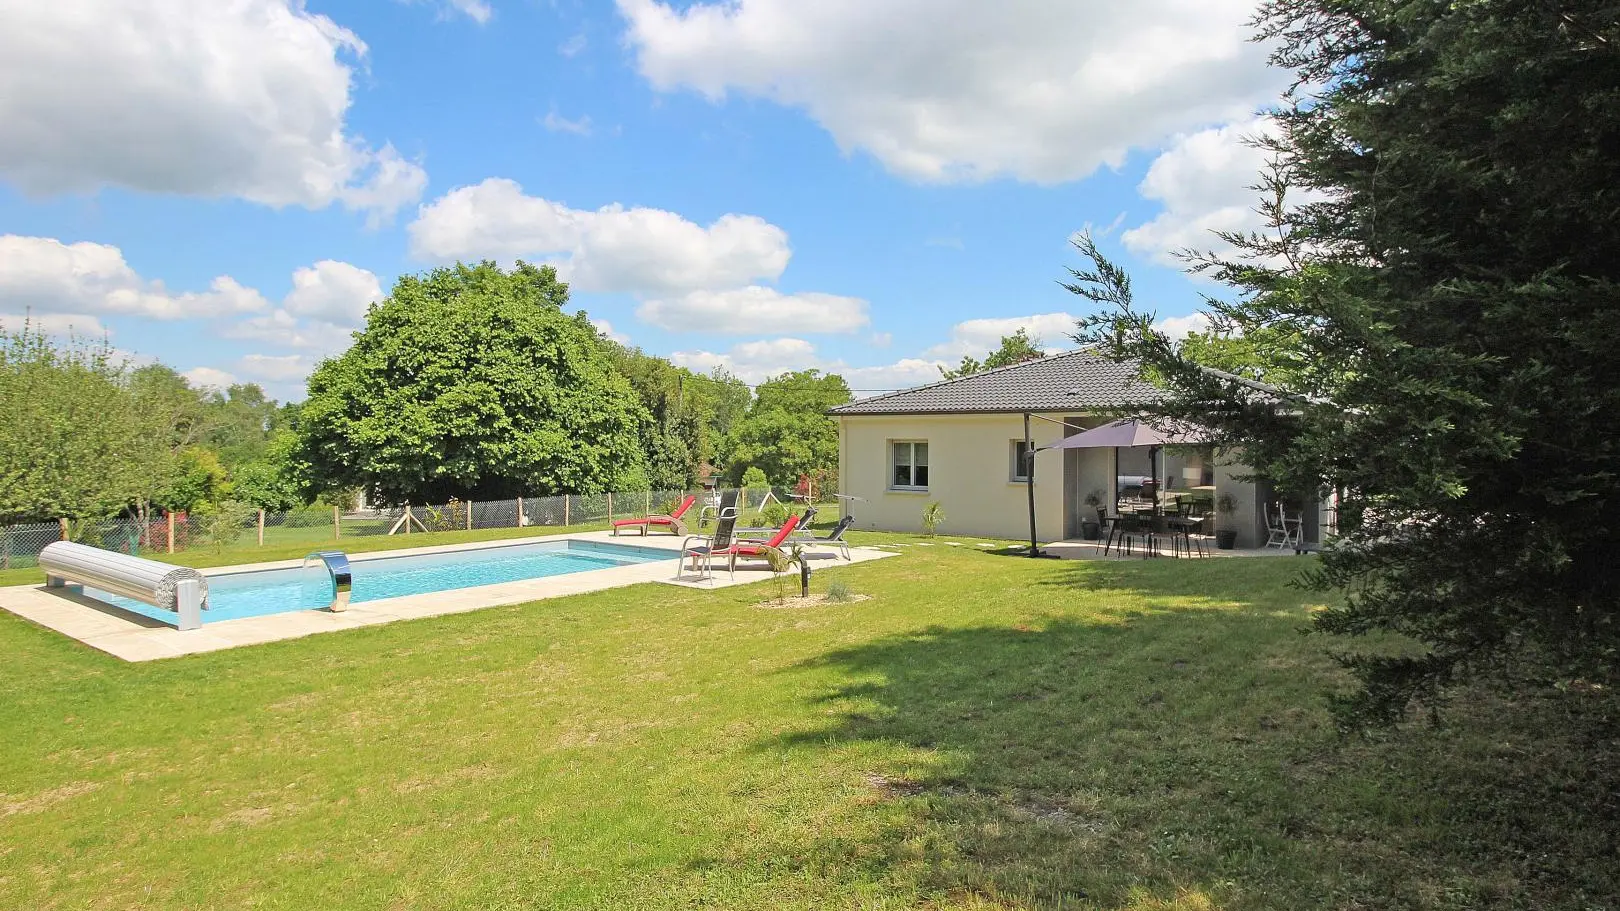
x=961, y=443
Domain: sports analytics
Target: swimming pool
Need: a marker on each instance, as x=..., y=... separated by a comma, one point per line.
x=258, y=593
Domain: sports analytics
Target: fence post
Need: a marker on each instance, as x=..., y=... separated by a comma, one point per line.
x=337, y=524
x=408, y=518
x=261, y=528
x=171, y=531
x=648, y=510
x=566, y=519
x=610, y=507
x=64, y=523
x=469, y=515
x=520, y=512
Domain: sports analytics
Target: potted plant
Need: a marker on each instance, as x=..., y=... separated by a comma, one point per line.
x=1225, y=534
x=1091, y=528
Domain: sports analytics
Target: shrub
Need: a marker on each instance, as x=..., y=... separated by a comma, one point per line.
x=839, y=593
x=932, y=518
x=774, y=514
x=226, y=522
x=754, y=479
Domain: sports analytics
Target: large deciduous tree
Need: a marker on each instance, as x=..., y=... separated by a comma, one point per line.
x=1446, y=310
x=472, y=382
x=787, y=432
x=72, y=444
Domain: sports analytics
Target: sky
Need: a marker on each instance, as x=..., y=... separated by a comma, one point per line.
x=872, y=187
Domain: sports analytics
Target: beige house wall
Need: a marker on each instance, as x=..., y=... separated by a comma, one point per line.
x=970, y=473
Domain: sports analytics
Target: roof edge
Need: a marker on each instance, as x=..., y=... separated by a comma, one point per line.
x=972, y=376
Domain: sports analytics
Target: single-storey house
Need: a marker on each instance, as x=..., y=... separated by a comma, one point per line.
x=961, y=443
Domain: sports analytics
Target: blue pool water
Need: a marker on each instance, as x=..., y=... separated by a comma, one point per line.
x=277, y=591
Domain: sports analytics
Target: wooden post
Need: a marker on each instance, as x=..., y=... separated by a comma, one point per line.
x=648, y=510
x=566, y=517
x=469, y=515
x=520, y=512
x=610, y=507
x=64, y=523
x=337, y=524
x=171, y=531
x=261, y=528
x=408, y=518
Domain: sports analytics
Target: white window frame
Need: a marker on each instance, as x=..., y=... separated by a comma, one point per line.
x=1018, y=472
x=894, y=463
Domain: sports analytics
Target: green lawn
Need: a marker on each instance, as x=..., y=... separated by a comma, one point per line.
x=985, y=732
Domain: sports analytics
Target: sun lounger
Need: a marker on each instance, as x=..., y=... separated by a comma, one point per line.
x=833, y=539
x=705, y=547
x=649, y=522
x=759, y=550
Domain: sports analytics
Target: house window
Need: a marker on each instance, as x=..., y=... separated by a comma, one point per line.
x=1020, y=464
x=910, y=463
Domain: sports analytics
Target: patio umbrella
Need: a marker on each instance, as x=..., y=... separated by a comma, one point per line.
x=1129, y=433
x=1132, y=433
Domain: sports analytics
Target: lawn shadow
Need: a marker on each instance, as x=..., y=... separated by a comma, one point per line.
x=1169, y=750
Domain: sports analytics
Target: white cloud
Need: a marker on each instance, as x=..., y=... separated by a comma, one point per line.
x=755, y=309
x=60, y=324
x=1182, y=326
x=191, y=97
x=333, y=291
x=610, y=249
x=943, y=90
x=606, y=329
x=289, y=368
x=210, y=377
x=44, y=274
x=327, y=303
x=902, y=374
x=1203, y=182
x=757, y=361
x=557, y=123
x=978, y=337
x=478, y=11
x=881, y=339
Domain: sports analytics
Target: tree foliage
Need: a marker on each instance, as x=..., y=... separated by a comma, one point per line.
x=71, y=440
x=472, y=382
x=689, y=414
x=1444, y=305
x=787, y=431
x=1014, y=349
x=84, y=436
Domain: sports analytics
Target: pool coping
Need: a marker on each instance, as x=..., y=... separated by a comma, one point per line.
x=134, y=637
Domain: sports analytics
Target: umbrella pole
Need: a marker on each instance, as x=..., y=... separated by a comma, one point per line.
x=1029, y=485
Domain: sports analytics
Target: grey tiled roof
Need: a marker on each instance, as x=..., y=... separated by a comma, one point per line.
x=1073, y=381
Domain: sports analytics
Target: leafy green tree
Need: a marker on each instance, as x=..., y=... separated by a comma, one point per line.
x=277, y=480
x=754, y=479
x=197, y=481
x=1445, y=302
x=471, y=382
x=1014, y=349
x=238, y=423
x=787, y=431
x=71, y=440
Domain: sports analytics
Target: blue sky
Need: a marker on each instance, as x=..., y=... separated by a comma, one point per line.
x=867, y=187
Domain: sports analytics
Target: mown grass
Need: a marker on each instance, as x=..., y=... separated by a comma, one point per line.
x=985, y=731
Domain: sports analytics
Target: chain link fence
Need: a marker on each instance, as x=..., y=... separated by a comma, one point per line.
x=325, y=526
